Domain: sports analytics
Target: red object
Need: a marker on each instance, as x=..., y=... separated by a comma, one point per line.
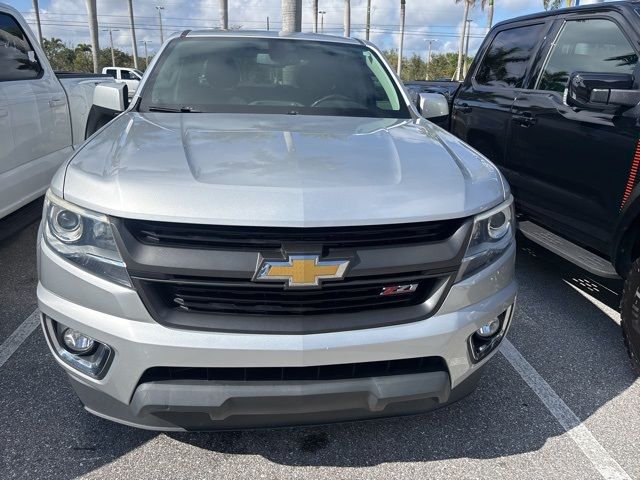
x=633, y=173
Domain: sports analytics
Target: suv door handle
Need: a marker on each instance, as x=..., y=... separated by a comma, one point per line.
x=463, y=108
x=525, y=119
x=56, y=102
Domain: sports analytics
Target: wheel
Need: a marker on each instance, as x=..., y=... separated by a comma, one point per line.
x=630, y=314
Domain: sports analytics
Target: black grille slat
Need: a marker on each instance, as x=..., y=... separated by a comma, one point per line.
x=272, y=238
x=284, y=374
x=267, y=300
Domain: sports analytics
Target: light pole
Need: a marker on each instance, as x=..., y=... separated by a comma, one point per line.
x=322, y=12
x=111, y=30
x=466, y=49
x=146, y=53
x=402, y=12
x=347, y=18
x=430, y=40
x=160, y=8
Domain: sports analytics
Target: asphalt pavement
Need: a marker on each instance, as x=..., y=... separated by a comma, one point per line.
x=560, y=401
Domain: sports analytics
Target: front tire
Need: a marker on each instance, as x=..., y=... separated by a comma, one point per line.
x=630, y=315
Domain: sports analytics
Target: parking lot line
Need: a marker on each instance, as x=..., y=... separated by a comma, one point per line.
x=579, y=433
x=20, y=334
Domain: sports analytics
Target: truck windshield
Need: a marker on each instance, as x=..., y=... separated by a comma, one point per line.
x=258, y=75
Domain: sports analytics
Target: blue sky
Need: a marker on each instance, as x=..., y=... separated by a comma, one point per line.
x=439, y=20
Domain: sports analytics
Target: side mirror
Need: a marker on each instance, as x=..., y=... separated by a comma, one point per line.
x=601, y=91
x=109, y=101
x=432, y=105
x=111, y=96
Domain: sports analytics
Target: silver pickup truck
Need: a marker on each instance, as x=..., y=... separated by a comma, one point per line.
x=43, y=115
x=272, y=234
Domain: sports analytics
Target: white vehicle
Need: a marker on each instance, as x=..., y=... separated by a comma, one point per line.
x=43, y=115
x=129, y=76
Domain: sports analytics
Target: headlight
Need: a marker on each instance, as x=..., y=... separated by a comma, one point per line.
x=84, y=238
x=492, y=234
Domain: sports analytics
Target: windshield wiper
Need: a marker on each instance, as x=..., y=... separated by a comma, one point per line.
x=173, y=110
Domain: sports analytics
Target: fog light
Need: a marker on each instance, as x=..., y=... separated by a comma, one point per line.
x=487, y=338
x=77, y=342
x=80, y=351
x=489, y=329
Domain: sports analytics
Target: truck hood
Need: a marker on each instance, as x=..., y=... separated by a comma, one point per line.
x=279, y=170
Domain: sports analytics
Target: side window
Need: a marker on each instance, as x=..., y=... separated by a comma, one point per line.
x=595, y=46
x=17, y=58
x=112, y=72
x=126, y=75
x=506, y=60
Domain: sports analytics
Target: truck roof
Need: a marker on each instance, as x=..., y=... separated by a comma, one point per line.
x=619, y=5
x=270, y=34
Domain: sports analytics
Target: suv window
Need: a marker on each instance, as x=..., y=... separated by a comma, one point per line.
x=595, y=46
x=112, y=72
x=506, y=60
x=17, y=58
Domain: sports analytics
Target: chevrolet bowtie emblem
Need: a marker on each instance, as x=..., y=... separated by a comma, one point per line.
x=300, y=270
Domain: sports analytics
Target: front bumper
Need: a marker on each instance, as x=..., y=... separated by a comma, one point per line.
x=116, y=316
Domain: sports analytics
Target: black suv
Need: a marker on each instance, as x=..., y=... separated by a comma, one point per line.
x=552, y=99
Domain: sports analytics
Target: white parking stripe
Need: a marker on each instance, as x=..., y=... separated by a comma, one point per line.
x=580, y=434
x=11, y=344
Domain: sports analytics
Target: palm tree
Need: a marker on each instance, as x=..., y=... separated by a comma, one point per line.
x=489, y=15
x=468, y=4
x=134, y=43
x=314, y=6
x=93, y=29
x=224, y=14
x=291, y=15
x=347, y=18
x=551, y=4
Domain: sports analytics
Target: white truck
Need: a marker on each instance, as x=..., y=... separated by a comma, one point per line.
x=129, y=76
x=43, y=115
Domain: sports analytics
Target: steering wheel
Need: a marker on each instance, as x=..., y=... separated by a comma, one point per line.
x=335, y=97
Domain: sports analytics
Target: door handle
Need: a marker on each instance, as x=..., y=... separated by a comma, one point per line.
x=56, y=102
x=525, y=119
x=463, y=108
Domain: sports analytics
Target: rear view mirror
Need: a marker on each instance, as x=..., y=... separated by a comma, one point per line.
x=109, y=101
x=601, y=91
x=432, y=105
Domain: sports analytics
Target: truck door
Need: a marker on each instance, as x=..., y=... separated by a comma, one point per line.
x=37, y=109
x=482, y=107
x=569, y=167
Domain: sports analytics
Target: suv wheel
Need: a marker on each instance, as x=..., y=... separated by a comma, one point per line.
x=630, y=314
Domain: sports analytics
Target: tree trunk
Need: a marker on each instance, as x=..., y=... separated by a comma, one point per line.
x=93, y=29
x=368, y=27
x=291, y=16
x=347, y=18
x=134, y=43
x=224, y=14
x=461, y=49
x=36, y=8
x=314, y=6
x=490, y=15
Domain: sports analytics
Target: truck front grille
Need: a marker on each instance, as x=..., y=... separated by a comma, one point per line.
x=248, y=298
